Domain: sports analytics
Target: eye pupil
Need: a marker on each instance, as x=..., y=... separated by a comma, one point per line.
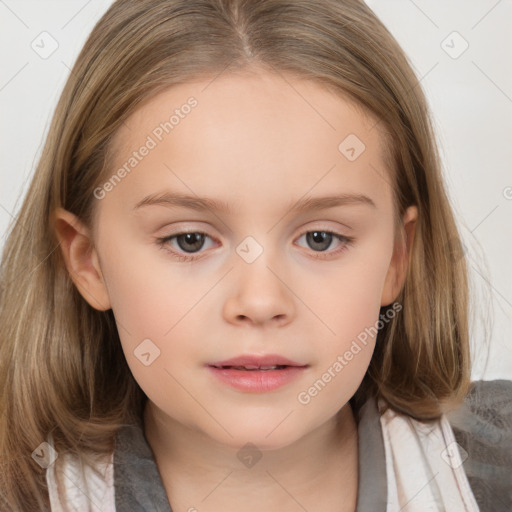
x=319, y=240
x=194, y=239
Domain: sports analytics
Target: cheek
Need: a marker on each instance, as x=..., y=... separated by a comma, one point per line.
x=152, y=311
x=354, y=313
x=350, y=298
x=149, y=294
x=158, y=300
x=351, y=309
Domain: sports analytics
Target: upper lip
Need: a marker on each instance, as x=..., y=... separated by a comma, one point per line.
x=257, y=361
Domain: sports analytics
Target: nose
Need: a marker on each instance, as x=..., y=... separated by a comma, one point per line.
x=259, y=294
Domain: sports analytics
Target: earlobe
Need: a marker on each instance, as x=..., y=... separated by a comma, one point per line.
x=81, y=258
x=397, y=271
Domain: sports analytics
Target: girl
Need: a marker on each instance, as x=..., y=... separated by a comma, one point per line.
x=236, y=282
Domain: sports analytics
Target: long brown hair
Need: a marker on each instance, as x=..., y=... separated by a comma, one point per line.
x=62, y=369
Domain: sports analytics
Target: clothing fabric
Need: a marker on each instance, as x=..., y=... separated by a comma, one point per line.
x=463, y=462
x=81, y=489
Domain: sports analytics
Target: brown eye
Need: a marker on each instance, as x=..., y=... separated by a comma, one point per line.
x=185, y=246
x=319, y=240
x=190, y=242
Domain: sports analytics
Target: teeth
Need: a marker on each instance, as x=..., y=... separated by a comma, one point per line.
x=255, y=367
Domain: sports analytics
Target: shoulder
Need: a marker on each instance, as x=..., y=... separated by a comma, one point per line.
x=482, y=426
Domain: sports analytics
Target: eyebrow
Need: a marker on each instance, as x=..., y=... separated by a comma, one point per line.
x=171, y=200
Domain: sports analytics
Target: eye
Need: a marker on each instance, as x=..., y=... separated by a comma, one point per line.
x=187, y=243
x=320, y=240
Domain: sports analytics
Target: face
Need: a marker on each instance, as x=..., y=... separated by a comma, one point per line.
x=267, y=266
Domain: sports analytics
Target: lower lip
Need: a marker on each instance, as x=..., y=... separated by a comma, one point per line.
x=257, y=381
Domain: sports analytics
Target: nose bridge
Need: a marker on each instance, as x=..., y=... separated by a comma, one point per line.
x=257, y=261
x=259, y=293
x=250, y=249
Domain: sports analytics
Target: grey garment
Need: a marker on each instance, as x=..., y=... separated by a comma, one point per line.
x=482, y=426
x=137, y=483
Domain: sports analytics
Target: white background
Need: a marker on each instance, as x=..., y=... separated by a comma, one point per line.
x=470, y=96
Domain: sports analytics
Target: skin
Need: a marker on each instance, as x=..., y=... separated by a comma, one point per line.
x=258, y=144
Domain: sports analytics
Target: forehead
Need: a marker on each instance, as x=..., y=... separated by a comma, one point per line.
x=244, y=132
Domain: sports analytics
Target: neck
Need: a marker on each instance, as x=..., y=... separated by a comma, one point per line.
x=317, y=472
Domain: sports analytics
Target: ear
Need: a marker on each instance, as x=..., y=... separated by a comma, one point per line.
x=81, y=258
x=397, y=271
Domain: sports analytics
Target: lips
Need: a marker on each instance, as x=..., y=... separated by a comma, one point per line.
x=256, y=363
x=256, y=373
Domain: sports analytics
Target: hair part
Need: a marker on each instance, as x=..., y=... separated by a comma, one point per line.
x=62, y=368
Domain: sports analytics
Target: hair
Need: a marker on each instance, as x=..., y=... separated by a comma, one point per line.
x=62, y=368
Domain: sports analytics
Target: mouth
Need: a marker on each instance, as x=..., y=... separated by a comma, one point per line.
x=251, y=368
x=256, y=374
x=255, y=362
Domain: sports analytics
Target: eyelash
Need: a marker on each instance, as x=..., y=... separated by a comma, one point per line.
x=345, y=240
